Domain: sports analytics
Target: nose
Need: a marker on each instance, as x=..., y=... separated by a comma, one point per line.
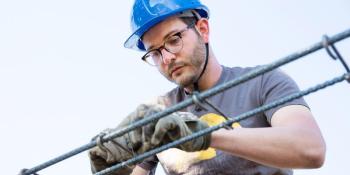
x=168, y=57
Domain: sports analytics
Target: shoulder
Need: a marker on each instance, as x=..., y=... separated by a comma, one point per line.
x=239, y=71
x=273, y=76
x=279, y=78
x=235, y=72
x=231, y=73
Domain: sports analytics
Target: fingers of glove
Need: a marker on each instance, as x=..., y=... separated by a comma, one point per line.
x=120, y=149
x=98, y=165
x=100, y=156
x=97, y=153
x=133, y=139
x=165, y=127
x=97, y=159
x=200, y=143
x=141, y=111
x=147, y=132
x=148, y=109
x=146, y=146
x=114, y=150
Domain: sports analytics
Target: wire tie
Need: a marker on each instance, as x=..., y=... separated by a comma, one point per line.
x=334, y=53
x=198, y=101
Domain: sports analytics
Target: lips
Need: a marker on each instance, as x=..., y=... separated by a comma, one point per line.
x=175, y=69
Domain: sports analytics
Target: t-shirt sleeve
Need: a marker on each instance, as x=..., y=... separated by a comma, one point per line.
x=150, y=164
x=275, y=85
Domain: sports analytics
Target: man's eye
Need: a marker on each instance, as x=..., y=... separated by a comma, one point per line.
x=174, y=41
x=154, y=54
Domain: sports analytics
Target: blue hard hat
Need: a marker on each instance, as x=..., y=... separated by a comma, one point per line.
x=147, y=13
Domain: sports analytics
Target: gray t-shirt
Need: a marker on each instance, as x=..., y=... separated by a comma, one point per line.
x=232, y=102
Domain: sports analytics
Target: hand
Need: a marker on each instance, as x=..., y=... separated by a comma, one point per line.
x=126, y=146
x=178, y=125
x=99, y=161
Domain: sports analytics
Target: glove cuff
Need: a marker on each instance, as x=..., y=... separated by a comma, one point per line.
x=206, y=138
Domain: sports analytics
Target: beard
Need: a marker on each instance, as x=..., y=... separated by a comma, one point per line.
x=193, y=63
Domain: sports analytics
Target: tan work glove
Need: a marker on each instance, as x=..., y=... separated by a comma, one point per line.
x=126, y=146
x=178, y=125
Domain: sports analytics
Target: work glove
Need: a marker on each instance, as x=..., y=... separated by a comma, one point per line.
x=178, y=125
x=130, y=144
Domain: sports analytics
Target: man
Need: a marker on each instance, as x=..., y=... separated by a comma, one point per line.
x=175, y=36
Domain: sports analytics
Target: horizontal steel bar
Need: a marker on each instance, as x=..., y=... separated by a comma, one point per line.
x=227, y=123
x=188, y=102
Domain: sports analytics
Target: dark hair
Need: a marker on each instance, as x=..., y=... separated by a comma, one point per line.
x=189, y=20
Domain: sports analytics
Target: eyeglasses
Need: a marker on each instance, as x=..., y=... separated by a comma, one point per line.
x=172, y=44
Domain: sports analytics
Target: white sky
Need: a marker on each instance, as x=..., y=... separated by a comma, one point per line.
x=64, y=74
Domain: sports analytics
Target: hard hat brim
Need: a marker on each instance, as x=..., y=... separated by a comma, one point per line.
x=135, y=40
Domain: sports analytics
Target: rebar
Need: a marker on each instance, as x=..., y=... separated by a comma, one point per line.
x=188, y=102
x=226, y=123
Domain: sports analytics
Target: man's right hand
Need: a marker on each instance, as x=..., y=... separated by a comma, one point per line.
x=145, y=138
x=99, y=161
x=178, y=125
x=126, y=146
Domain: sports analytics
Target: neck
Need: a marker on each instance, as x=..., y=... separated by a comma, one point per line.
x=210, y=76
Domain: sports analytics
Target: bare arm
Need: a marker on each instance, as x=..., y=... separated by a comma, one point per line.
x=293, y=141
x=139, y=171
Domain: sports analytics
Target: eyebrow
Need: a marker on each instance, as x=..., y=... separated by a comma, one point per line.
x=164, y=38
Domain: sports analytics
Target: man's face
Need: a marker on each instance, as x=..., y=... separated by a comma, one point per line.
x=184, y=67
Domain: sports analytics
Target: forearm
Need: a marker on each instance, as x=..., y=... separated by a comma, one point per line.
x=283, y=147
x=139, y=171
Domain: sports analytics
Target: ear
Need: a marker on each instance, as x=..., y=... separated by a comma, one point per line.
x=203, y=28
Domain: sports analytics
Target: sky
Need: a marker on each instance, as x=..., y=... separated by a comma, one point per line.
x=65, y=75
